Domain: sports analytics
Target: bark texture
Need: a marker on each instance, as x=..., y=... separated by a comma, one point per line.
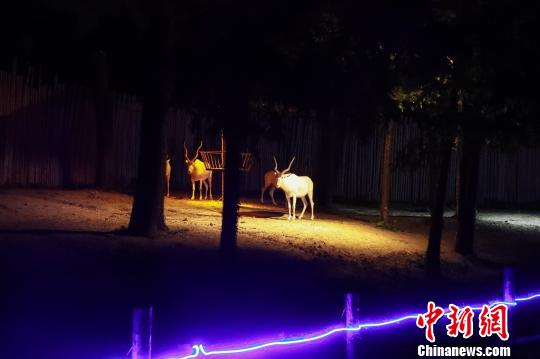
x=237, y=115
x=147, y=216
x=386, y=175
x=433, y=253
x=468, y=191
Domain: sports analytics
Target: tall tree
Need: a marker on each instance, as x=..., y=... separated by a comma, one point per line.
x=388, y=147
x=427, y=95
x=248, y=40
x=147, y=216
x=236, y=112
x=468, y=190
x=490, y=80
x=433, y=252
x=474, y=94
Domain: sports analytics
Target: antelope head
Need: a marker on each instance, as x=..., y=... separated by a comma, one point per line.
x=283, y=174
x=191, y=162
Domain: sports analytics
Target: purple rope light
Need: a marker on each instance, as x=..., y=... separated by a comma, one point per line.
x=199, y=350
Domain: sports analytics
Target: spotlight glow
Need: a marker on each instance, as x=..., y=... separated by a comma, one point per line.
x=199, y=350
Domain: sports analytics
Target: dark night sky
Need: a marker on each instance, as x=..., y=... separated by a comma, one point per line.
x=261, y=39
x=62, y=35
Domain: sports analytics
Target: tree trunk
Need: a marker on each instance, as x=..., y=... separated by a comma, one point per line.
x=459, y=152
x=231, y=197
x=147, y=213
x=103, y=113
x=234, y=136
x=387, y=171
x=433, y=253
x=468, y=189
x=326, y=171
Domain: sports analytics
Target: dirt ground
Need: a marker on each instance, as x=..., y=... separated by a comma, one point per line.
x=352, y=244
x=72, y=278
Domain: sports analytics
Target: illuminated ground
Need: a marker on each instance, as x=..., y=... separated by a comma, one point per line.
x=72, y=280
x=352, y=245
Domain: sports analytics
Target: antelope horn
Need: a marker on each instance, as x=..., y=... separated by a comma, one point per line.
x=197, y=153
x=275, y=168
x=185, y=152
x=289, y=168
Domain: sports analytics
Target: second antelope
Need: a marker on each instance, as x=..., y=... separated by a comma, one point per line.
x=270, y=181
x=295, y=186
x=198, y=172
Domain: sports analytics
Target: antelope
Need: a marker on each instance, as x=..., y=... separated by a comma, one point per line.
x=270, y=181
x=167, y=174
x=198, y=172
x=295, y=186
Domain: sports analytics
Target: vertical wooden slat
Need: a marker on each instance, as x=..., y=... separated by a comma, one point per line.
x=41, y=119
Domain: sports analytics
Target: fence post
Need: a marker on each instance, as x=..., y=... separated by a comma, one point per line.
x=351, y=320
x=141, y=339
x=508, y=288
x=508, y=295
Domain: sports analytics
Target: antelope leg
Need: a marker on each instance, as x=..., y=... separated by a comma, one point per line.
x=200, y=190
x=289, y=205
x=272, y=194
x=205, y=189
x=192, y=189
x=210, y=183
x=304, y=201
x=294, y=208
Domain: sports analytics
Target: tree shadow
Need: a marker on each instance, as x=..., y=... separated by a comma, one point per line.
x=260, y=213
x=48, y=232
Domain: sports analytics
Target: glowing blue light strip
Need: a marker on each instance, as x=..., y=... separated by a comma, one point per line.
x=524, y=299
x=198, y=350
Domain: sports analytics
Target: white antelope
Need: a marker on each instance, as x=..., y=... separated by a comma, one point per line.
x=198, y=172
x=270, y=181
x=295, y=186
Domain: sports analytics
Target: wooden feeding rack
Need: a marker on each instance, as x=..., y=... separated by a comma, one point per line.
x=215, y=161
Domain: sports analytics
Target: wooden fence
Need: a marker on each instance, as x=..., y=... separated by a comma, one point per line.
x=48, y=138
